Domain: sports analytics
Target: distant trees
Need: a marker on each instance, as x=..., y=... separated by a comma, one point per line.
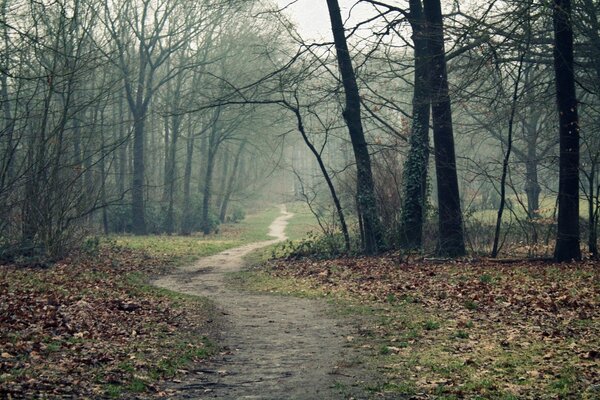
x=147, y=36
x=98, y=107
x=160, y=116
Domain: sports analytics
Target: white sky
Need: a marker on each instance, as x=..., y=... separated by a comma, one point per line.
x=312, y=18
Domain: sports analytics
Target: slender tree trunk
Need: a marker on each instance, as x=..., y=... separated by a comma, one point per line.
x=231, y=182
x=138, y=219
x=415, y=167
x=206, y=225
x=328, y=180
x=373, y=236
x=88, y=178
x=224, y=178
x=213, y=145
x=568, y=239
x=123, y=141
x=167, y=161
x=509, y=143
x=532, y=186
x=202, y=163
x=451, y=237
x=593, y=210
x=170, y=175
x=103, y=175
x=187, y=177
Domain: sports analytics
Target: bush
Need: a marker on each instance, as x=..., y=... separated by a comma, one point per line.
x=314, y=246
x=212, y=225
x=119, y=218
x=238, y=215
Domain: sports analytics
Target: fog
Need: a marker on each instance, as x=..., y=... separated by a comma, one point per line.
x=148, y=117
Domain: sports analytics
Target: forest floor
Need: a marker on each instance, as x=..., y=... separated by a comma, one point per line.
x=272, y=348
x=474, y=329
x=356, y=327
x=91, y=326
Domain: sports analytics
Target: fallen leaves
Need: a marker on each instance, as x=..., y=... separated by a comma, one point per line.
x=524, y=329
x=88, y=327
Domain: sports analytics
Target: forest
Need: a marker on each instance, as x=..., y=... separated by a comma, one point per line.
x=414, y=195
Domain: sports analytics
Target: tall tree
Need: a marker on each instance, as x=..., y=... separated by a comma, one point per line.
x=415, y=167
x=367, y=207
x=451, y=237
x=567, y=239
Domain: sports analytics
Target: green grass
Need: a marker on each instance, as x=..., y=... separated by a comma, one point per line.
x=302, y=222
x=299, y=226
x=258, y=281
x=182, y=250
x=431, y=325
x=547, y=205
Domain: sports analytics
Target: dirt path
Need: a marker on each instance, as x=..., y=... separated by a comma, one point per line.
x=277, y=347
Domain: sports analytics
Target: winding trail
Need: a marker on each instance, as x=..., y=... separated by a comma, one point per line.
x=276, y=347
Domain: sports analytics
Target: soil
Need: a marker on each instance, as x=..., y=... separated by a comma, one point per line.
x=274, y=347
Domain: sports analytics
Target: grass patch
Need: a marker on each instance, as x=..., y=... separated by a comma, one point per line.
x=302, y=223
x=181, y=250
x=260, y=281
x=431, y=325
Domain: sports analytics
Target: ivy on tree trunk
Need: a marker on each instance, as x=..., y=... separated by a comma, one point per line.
x=451, y=237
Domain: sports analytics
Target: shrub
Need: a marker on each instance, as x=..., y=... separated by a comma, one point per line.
x=314, y=246
x=238, y=215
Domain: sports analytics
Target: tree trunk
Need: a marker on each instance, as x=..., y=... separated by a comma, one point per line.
x=231, y=183
x=373, y=238
x=451, y=237
x=415, y=167
x=325, y=173
x=170, y=175
x=103, y=175
x=509, y=144
x=186, y=228
x=213, y=145
x=123, y=141
x=206, y=225
x=167, y=161
x=532, y=186
x=567, y=239
x=138, y=219
x=594, y=192
x=223, y=179
x=202, y=163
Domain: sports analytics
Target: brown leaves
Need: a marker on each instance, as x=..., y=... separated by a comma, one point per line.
x=81, y=325
x=521, y=328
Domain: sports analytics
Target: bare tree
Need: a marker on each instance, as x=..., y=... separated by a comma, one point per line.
x=367, y=207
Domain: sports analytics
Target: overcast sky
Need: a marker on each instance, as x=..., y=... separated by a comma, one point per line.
x=312, y=17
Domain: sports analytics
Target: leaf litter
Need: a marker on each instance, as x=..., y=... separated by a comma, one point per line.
x=470, y=328
x=89, y=327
